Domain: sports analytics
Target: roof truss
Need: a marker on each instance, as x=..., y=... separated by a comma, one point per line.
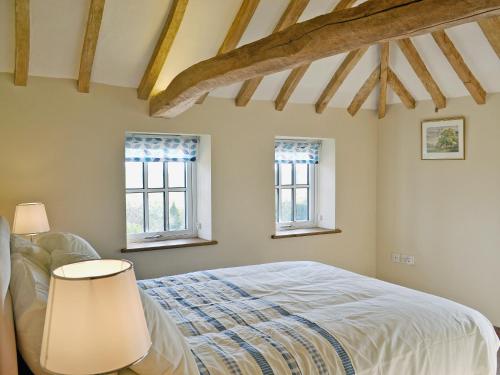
x=90, y=44
x=317, y=38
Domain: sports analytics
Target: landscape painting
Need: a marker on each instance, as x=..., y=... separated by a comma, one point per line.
x=443, y=139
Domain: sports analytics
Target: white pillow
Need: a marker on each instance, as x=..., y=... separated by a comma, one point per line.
x=169, y=353
x=66, y=248
x=29, y=286
x=30, y=250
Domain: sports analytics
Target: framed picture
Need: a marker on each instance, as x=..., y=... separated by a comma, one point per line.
x=443, y=139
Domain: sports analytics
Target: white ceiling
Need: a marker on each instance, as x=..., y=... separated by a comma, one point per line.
x=130, y=29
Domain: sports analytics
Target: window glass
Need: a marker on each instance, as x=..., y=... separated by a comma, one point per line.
x=286, y=174
x=301, y=204
x=177, y=210
x=286, y=205
x=156, y=212
x=133, y=175
x=155, y=175
x=135, y=213
x=301, y=174
x=176, y=174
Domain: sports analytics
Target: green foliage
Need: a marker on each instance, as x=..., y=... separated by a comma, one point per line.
x=176, y=220
x=448, y=140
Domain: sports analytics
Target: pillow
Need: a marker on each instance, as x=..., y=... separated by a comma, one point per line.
x=29, y=286
x=30, y=250
x=169, y=353
x=66, y=248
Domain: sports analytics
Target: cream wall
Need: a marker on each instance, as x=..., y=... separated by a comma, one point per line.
x=446, y=213
x=66, y=149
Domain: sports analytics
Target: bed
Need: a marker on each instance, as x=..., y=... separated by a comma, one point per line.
x=305, y=318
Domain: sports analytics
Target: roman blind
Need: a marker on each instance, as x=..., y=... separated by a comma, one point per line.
x=296, y=151
x=160, y=148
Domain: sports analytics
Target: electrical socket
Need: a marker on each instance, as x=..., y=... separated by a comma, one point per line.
x=396, y=258
x=408, y=259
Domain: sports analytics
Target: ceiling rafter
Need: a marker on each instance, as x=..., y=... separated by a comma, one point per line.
x=317, y=38
x=289, y=17
x=238, y=27
x=364, y=92
x=384, y=67
x=491, y=29
x=162, y=49
x=96, y=10
x=22, y=54
x=457, y=62
x=417, y=63
x=339, y=77
x=296, y=74
x=397, y=86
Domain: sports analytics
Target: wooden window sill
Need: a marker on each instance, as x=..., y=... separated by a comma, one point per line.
x=303, y=232
x=164, y=245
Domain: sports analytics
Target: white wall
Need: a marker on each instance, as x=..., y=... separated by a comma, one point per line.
x=65, y=149
x=445, y=213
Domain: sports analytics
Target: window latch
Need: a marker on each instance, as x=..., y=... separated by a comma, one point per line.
x=155, y=237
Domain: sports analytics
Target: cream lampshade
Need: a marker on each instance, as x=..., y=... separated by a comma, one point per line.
x=30, y=219
x=94, y=321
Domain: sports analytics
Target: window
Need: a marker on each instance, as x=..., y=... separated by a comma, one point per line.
x=160, y=183
x=295, y=171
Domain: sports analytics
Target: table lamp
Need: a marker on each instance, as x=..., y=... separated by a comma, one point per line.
x=30, y=219
x=94, y=323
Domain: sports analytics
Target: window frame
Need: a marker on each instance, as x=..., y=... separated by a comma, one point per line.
x=191, y=204
x=312, y=198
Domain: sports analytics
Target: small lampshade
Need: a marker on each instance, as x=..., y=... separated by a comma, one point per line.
x=30, y=218
x=94, y=321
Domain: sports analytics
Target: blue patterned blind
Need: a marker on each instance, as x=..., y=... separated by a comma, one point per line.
x=291, y=151
x=160, y=148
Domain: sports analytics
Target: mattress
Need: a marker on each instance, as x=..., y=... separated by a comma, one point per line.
x=310, y=318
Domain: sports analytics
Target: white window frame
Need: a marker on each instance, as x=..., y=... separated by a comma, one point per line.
x=313, y=197
x=191, y=204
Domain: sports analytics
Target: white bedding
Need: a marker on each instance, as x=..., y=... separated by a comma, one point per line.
x=255, y=319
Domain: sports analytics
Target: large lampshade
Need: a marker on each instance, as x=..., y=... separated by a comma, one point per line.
x=94, y=321
x=30, y=218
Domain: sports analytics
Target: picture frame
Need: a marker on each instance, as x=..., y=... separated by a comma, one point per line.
x=443, y=139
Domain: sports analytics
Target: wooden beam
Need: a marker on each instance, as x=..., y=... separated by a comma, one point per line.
x=289, y=17
x=418, y=65
x=364, y=91
x=384, y=68
x=460, y=67
x=406, y=98
x=289, y=86
x=22, y=57
x=339, y=77
x=317, y=38
x=89, y=44
x=238, y=27
x=296, y=74
x=491, y=29
x=162, y=48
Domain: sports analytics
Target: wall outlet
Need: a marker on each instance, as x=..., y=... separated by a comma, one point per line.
x=408, y=259
x=396, y=258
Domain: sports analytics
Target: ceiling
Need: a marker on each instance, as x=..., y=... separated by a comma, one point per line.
x=130, y=29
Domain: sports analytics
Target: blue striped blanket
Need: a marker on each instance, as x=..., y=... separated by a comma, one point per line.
x=233, y=331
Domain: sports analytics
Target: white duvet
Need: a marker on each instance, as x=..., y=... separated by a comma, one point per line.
x=383, y=328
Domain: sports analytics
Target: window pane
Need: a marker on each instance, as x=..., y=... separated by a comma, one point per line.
x=156, y=212
x=286, y=174
x=177, y=210
x=133, y=175
x=155, y=175
x=135, y=213
x=286, y=205
x=176, y=174
x=301, y=204
x=275, y=174
x=301, y=174
x=276, y=205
